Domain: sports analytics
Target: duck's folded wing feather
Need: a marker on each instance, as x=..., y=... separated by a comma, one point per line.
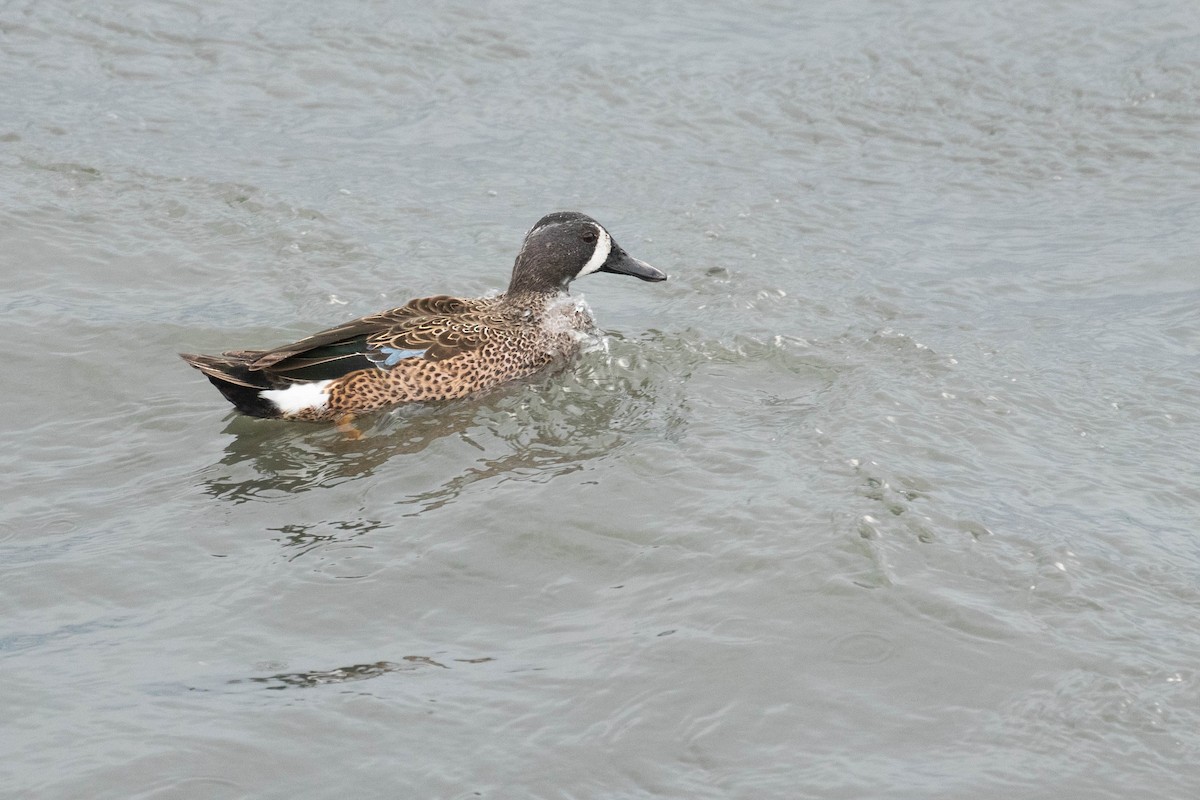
x=433, y=328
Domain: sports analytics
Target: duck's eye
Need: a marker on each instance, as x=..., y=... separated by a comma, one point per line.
x=589, y=235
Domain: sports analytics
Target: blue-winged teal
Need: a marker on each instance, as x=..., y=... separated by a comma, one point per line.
x=433, y=348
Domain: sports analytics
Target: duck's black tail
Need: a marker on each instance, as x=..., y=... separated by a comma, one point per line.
x=233, y=377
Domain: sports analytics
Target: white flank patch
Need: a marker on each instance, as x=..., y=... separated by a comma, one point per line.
x=299, y=397
x=600, y=255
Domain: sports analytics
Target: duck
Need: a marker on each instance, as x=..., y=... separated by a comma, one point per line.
x=434, y=348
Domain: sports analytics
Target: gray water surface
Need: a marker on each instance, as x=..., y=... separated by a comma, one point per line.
x=890, y=492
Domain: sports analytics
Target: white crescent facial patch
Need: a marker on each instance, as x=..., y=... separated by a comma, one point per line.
x=599, y=255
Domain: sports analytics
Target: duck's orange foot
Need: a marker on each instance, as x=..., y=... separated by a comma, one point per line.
x=346, y=426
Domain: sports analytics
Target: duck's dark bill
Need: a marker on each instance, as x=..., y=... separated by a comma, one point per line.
x=622, y=263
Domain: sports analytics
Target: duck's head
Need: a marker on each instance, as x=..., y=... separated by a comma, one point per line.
x=567, y=245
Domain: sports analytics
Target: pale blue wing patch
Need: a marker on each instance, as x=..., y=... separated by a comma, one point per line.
x=395, y=355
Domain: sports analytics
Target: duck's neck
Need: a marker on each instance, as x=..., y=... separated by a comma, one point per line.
x=530, y=275
x=519, y=294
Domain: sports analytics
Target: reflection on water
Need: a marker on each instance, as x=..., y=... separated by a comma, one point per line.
x=310, y=679
x=266, y=459
x=302, y=539
x=356, y=672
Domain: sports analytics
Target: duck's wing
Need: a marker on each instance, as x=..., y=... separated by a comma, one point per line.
x=433, y=328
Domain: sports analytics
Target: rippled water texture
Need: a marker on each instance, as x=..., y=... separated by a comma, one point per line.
x=891, y=491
